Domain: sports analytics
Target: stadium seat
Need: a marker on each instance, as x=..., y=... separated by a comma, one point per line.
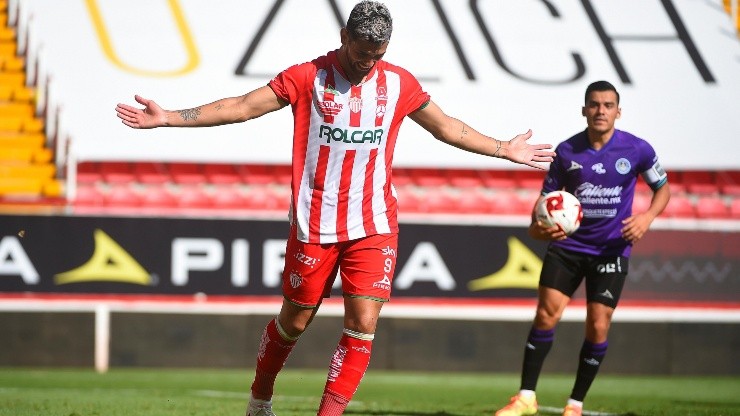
x=17, y=93
x=88, y=173
x=220, y=174
x=158, y=197
x=429, y=177
x=408, y=200
x=641, y=202
x=700, y=182
x=437, y=200
x=402, y=177
x=498, y=179
x=13, y=77
x=260, y=198
x=21, y=186
x=712, y=207
x=732, y=190
x=675, y=180
x=122, y=196
x=735, y=208
x=508, y=202
x=465, y=178
x=88, y=195
x=13, y=109
x=116, y=172
x=641, y=187
x=282, y=174
x=256, y=174
x=11, y=63
x=186, y=173
x=8, y=49
x=228, y=197
x=679, y=206
x=729, y=182
x=529, y=179
x=470, y=201
x=194, y=197
x=53, y=188
x=17, y=139
x=154, y=173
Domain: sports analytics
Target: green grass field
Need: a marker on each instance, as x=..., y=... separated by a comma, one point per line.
x=167, y=392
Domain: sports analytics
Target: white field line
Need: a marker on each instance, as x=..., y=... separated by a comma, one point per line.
x=559, y=410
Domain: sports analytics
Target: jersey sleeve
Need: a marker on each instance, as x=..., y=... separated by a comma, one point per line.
x=416, y=97
x=649, y=167
x=289, y=83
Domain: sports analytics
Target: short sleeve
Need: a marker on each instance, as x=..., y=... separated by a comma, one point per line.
x=649, y=166
x=289, y=83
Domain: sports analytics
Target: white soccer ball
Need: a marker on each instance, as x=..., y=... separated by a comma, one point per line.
x=561, y=209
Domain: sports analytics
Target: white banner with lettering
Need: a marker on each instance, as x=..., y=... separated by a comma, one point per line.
x=503, y=66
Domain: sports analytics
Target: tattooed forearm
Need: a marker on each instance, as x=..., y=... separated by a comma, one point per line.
x=219, y=106
x=464, y=131
x=190, y=114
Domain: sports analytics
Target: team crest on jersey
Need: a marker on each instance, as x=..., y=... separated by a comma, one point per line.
x=623, y=166
x=355, y=104
x=295, y=279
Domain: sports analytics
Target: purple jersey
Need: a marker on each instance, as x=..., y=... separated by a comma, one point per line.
x=604, y=181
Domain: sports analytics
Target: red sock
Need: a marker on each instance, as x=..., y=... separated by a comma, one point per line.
x=348, y=365
x=332, y=404
x=273, y=352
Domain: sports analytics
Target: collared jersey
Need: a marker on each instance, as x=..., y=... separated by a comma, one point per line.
x=604, y=182
x=343, y=142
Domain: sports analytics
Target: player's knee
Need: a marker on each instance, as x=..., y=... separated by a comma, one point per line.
x=362, y=325
x=600, y=328
x=294, y=324
x=546, y=318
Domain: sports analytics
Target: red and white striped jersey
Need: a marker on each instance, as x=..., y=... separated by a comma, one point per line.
x=343, y=141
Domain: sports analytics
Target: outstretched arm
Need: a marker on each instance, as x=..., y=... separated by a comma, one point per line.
x=456, y=133
x=224, y=111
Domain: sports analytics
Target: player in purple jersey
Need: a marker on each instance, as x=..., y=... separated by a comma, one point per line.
x=600, y=166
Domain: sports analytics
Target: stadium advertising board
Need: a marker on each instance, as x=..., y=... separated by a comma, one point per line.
x=170, y=256
x=502, y=66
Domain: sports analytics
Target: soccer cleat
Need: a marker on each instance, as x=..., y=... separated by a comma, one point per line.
x=571, y=410
x=258, y=407
x=519, y=406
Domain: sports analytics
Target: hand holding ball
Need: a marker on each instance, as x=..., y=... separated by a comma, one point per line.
x=561, y=209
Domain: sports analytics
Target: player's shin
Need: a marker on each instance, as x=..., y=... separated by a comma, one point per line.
x=275, y=346
x=538, y=346
x=590, y=359
x=348, y=366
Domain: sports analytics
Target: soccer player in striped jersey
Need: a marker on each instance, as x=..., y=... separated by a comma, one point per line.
x=600, y=166
x=348, y=106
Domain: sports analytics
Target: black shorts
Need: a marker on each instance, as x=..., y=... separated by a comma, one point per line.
x=564, y=271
